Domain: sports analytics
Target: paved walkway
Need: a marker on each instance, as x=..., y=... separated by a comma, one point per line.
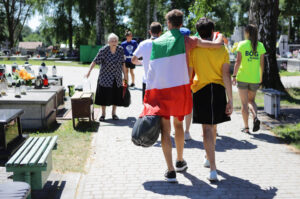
x=250, y=166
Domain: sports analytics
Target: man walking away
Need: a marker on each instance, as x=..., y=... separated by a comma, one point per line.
x=211, y=85
x=168, y=91
x=129, y=47
x=144, y=51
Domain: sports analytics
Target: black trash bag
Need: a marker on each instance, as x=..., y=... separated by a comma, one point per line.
x=146, y=130
x=126, y=97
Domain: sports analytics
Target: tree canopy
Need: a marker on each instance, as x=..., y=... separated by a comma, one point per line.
x=75, y=21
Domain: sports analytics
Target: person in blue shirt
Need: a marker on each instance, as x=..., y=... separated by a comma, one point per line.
x=129, y=47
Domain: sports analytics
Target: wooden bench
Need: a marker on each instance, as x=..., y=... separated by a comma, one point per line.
x=32, y=163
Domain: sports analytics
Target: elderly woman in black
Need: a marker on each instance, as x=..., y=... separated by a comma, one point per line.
x=109, y=88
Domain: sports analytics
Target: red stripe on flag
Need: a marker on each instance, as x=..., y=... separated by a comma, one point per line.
x=175, y=101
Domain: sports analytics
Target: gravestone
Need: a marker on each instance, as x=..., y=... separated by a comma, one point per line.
x=283, y=45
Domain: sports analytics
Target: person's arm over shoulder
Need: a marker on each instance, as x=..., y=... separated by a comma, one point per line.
x=211, y=44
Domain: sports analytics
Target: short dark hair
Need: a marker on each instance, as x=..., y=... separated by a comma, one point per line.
x=205, y=27
x=175, y=17
x=155, y=27
x=128, y=33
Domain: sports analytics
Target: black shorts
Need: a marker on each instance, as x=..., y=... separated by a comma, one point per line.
x=209, y=105
x=129, y=65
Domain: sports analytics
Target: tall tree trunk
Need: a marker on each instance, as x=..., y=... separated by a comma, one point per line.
x=265, y=14
x=154, y=12
x=99, y=22
x=70, y=27
x=148, y=18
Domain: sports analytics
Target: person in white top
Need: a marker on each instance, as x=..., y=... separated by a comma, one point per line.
x=144, y=51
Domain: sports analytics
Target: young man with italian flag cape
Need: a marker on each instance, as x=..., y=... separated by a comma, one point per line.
x=168, y=91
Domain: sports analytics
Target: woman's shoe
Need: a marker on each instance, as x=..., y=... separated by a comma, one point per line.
x=256, y=124
x=246, y=130
x=102, y=118
x=115, y=117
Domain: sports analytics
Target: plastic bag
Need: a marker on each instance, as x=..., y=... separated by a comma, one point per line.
x=86, y=85
x=146, y=130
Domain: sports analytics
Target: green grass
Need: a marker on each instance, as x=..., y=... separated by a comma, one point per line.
x=48, y=63
x=74, y=146
x=288, y=101
x=286, y=73
x=289, y=133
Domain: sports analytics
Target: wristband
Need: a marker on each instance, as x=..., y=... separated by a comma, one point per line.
x=234, y=76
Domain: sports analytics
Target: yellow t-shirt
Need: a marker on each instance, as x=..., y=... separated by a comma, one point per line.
x=207, y=64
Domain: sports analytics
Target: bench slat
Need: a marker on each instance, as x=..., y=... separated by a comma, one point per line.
x=18, y=153
x=24, y=153
x=33, y=151
x=40, y=151
x=48, y=150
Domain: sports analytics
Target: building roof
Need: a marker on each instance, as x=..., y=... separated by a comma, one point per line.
x=30, y=45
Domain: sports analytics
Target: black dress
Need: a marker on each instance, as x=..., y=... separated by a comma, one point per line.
x=109, y=88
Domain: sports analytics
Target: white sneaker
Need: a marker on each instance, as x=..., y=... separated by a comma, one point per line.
x=187, y=136
x=213, y=176
x=206, y=162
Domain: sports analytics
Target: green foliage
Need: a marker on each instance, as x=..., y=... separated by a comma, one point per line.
x=290, y=133
x=222, y=12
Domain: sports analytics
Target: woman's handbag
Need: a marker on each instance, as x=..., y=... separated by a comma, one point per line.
x=126, y=96
x=146, y=130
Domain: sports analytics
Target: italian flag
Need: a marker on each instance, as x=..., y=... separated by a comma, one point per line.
x=168, y=91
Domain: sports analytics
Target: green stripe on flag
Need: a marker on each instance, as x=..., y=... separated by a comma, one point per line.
x=169, y=44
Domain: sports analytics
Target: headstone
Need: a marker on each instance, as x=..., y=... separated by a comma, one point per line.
x=238, y=34
x=283, y=45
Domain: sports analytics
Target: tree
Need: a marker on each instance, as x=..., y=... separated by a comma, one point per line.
x=2, y=26
x=100, y=6
x=16, y=12
x=265, y=15
x=290, y=10
x=222, y=12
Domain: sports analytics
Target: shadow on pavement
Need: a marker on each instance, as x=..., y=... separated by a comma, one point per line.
x=223, y=144
x=121, y=122
x=230, y=187
x=267, y=138
x=51, y=190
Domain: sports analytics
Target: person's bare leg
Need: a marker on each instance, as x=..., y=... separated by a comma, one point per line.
x=179, y=138
x=251, y=103
x=126, y=71
x=215, y=133
x=188, y=120
x=132, y=75
x=103, y=110
x=114, y=110
x=209, y=145
x=244, y=100
x=166, y=143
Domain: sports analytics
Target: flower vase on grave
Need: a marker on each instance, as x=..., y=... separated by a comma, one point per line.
x=17, y=89
x=9, y=80
x=23, y=88
x=3, y=85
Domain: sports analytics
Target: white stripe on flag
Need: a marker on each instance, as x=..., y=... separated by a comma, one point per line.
x=167, y=72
